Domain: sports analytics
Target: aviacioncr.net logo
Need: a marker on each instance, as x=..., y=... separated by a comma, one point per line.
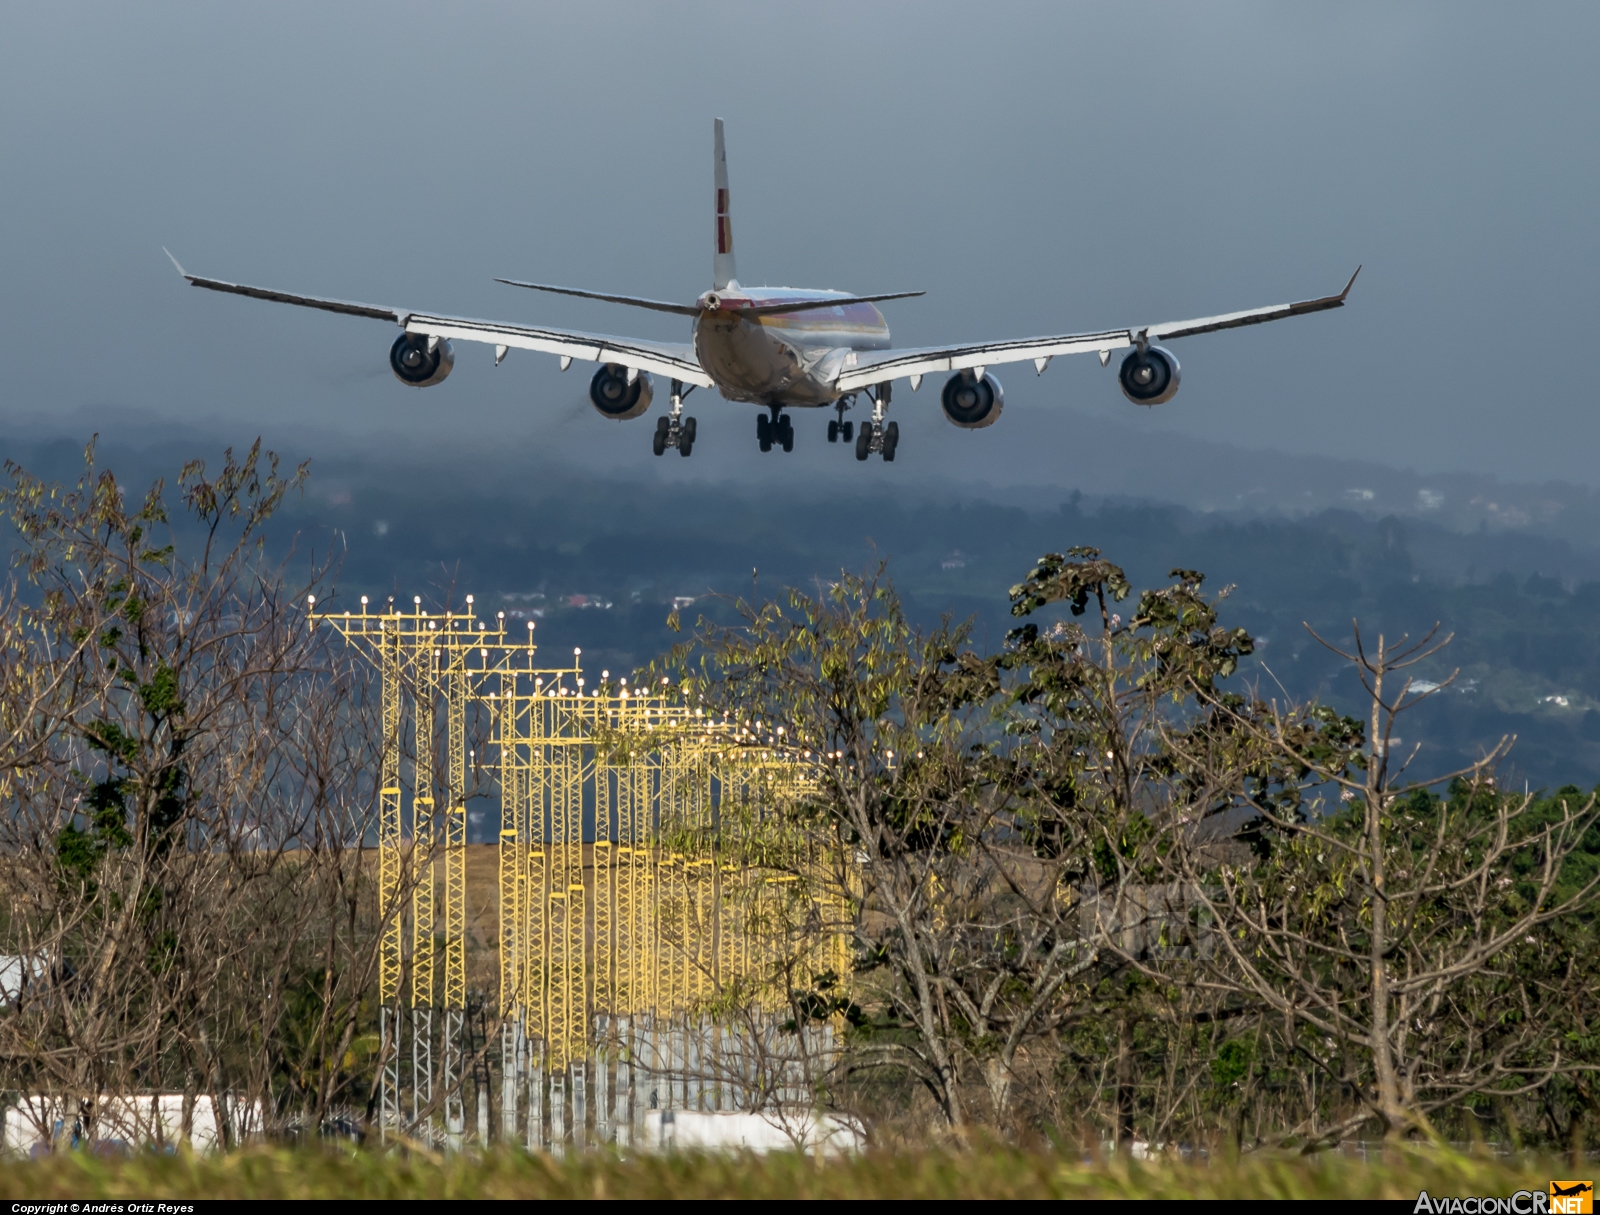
x=1561, y=1198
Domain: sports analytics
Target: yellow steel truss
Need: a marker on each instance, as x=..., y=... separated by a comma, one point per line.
x=391, y=874
x=646, y=865
x=423, y=828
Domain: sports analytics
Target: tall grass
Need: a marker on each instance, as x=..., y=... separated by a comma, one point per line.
x=988, y=1172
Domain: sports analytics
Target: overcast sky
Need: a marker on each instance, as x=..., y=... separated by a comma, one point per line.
x=1036, y=168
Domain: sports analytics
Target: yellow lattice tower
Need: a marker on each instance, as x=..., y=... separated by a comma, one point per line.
x=645, y=873
x=536, y=908
x=733, y=957
x=607, y=774
x=631, y=992
x=574, y=771
x=513, y=882
x=566, y=959
x=381, y=639
x=391, y=874
x=422, y=822
x=697, y=879
x=455, y=828
x=701, y=867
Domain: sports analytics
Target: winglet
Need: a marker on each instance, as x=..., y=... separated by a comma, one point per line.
x=1342, y=294
x=174, y=261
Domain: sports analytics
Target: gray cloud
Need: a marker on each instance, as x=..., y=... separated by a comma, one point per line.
x=1036, y=168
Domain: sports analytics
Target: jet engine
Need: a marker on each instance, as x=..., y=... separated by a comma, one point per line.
x=420, y=360
x=1150, y=378
x=615, y=397
x=972, y=403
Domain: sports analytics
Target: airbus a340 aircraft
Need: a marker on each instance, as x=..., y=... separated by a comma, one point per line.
x=781, y=349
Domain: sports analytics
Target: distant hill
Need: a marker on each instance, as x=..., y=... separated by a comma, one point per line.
x=597, y=561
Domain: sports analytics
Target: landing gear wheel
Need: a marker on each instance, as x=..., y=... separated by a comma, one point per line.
x=848, y=431
x=833, y=432
x=891, y=440
x=864, y=442
x=685, y=444
x=689, y=430
x=658, y=442
x=786, y=436
x=763, y=432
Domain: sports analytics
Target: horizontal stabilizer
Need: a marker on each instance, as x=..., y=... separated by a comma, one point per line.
x=715, y=303
x=633, y=301
x=808, y=305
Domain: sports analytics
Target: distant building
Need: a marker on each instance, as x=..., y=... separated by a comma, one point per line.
x=17, y=975
x=32, y=1125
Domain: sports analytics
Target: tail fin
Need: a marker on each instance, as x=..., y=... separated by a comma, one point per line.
x=723, y=274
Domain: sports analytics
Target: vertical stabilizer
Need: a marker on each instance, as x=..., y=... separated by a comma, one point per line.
x=723, y=274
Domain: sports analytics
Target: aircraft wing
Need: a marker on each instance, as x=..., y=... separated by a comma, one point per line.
x=671, y=359
x=675, y=360
x=864, y=368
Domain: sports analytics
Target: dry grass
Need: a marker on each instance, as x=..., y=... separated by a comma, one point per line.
x=991, y=1173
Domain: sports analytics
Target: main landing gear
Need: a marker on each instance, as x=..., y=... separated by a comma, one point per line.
x=876, y=436
x=842, y=429
x=777, y=430
x=673, y=429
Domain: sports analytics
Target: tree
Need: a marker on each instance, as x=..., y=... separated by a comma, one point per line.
x=978, y=806
x=183, y=851
x=1394, y=933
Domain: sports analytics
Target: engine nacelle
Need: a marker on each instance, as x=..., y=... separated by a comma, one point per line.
x=1150, y=378
x=415, y=363
x=614, y=397
x=972, y=403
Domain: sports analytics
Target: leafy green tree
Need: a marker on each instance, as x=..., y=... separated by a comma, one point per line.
x=995, y=819
x=1392, y=933
x=186, y=828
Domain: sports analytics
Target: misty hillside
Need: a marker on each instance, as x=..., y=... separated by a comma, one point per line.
x=597, y=562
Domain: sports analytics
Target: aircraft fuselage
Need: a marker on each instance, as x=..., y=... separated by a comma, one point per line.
x=788, y=359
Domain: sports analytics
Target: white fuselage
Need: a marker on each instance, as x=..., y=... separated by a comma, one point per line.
x=788, y=359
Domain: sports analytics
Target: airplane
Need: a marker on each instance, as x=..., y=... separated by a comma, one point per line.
x=779, y=348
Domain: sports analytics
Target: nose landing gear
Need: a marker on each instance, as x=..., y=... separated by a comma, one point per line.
x=673, y=429
x=876, y=435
